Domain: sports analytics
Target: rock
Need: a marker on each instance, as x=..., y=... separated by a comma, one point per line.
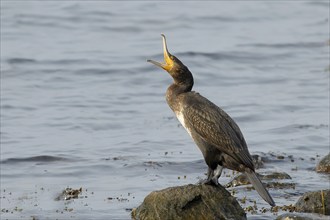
x=324, y=165
x=239, y=180
x=68, y=194
x=276, y=176
x=277, y=185
x=315, y=202
x=190, y=202
x=302, y=216
x=242, y=179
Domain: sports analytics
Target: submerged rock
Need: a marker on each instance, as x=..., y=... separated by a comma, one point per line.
x=315, y=202
x=190, y=202
x=277, y=185
x=276, y=176
x=324, y=165
x=68, y=194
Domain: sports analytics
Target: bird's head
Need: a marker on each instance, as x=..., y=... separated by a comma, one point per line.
x=172, y=64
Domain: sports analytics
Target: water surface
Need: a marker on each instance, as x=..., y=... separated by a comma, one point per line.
x=81, y=107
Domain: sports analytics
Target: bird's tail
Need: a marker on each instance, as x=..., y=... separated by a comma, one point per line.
x=256, y=182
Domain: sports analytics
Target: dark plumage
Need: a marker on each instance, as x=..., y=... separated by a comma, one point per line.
x=213, y=130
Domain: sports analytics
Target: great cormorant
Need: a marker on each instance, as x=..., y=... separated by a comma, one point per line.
x=212, y=129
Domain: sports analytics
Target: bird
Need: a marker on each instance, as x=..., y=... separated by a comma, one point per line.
x=214, y=132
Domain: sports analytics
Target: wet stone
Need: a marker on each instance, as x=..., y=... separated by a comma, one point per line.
x=239, y=180
x=276, y=176
x=314, y=202
x=324, y=165
x=190, y=202
x=69, y=194
x=277, y=185
x=242, y=179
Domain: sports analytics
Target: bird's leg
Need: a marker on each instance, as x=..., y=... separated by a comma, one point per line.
x=213, y=176
x=209, y=174
x=208, y=180
x=216, y=174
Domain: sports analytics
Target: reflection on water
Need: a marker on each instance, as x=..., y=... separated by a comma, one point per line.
x=81, y=107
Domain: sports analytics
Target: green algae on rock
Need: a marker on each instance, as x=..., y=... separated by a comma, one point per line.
x=190, y=202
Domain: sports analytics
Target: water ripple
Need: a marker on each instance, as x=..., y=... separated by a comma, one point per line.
x=295, y=45
x=239, y=56
x=41, y=158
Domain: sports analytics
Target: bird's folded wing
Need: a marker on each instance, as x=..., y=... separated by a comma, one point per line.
x=217, y=128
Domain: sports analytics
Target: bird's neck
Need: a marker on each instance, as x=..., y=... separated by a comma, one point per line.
x=179, y=86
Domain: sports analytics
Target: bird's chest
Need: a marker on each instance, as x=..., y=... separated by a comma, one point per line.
x=181, y=118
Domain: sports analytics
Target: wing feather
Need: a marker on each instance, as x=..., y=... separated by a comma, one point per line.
x=216, y=127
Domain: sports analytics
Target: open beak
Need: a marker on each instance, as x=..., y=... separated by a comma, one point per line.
x=168, y=62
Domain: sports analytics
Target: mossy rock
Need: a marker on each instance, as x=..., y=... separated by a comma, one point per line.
x=190, y=202
x=315, y=202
